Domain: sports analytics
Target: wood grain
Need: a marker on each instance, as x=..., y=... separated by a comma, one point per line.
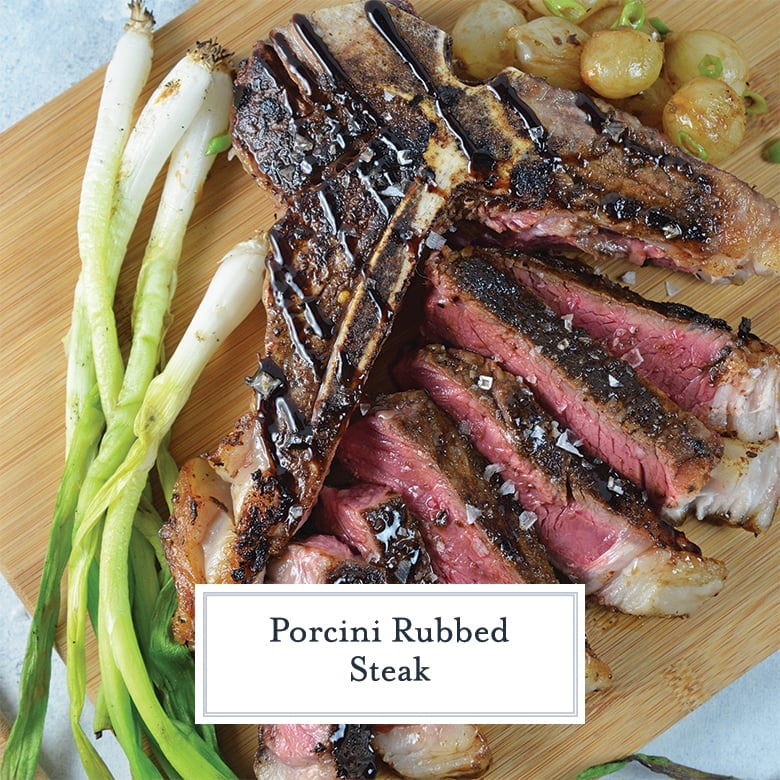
x=662, y=668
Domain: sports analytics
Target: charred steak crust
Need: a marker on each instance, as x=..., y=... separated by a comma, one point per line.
x=353, y=753
x=608, y=388
x=428, y=440
x=729, y=380
x=512, y=407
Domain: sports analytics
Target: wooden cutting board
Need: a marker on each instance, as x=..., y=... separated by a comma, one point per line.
x=662, y=668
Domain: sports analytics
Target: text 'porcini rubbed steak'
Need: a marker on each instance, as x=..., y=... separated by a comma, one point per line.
x=595, y=525
x=474, y=304
x=354, y=118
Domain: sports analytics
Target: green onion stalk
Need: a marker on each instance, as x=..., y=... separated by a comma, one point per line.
x=658, y=764
x=125, y=77
x=566, y=9
x=196, y=94
x=232, y=294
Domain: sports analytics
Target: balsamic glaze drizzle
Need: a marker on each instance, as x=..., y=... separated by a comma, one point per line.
x=284, y=287
x=284, y=422
x=507, y=94
x=376, y=11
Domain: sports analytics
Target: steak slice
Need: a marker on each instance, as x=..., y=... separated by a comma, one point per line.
x=730, y=381
x=321, y=560
x=314, y=752
x=474, y=304
x=595, y=526
x=473, y=535
x=375, y=522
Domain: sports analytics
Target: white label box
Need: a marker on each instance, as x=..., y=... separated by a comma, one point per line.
x=390, y=654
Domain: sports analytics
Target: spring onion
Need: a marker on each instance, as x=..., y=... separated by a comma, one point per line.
x=771, y=152
x=657, y=764
x=659, y=26
x=687, y=142
x=232, y=294
x=632, y=15
x=710, y=66
x=754, y=103
x=219, y=143
x=187, y=111
x=126, y=75
x=202, y=101
x=167, y=113
x=566, y=9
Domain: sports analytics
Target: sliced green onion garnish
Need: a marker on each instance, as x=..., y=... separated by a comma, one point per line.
x=567, y=9
x=659, y=26
x=754, y=103
x=219, y=144
x=632, y=15
x=685, y=141
x=772, y=151
x=711, y=66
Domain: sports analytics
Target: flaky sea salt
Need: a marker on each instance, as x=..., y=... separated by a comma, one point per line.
x=614, y=485
x=491, y=469
x=435, y=240
x=568, y=446
x=634, y=358
x=485, y=382
x=672, y=289
x=526, y=519
x=472, y=514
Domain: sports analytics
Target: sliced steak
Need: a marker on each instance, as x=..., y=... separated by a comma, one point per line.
x=433, y=751
x=314, y=752
x=321, y=560
x=729, y=380
x=375, y=522
x=593, y=524
x=476, y=305
x=473, y=535
x=353, y=118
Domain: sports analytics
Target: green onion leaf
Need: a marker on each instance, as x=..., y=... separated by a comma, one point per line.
x=659, y=26
x=632, y=15
x=772, y=151
x=658, y=764
x=711, y=66
x=685, y=141
x=219, y=144
x=566, y=9
x=754, y=103
x=602, y=770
